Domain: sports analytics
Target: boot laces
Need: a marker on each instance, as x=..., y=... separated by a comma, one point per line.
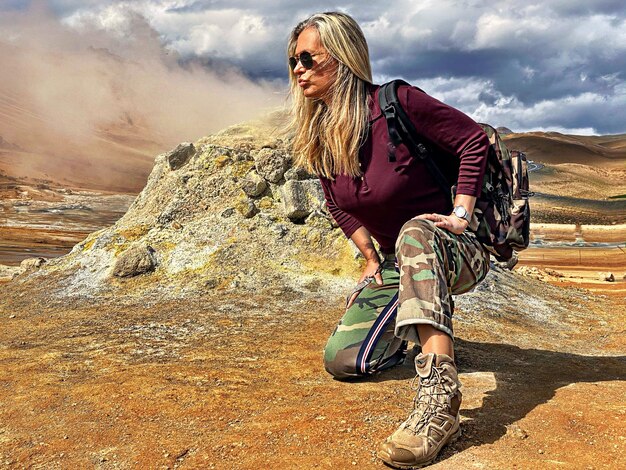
x=433, y=395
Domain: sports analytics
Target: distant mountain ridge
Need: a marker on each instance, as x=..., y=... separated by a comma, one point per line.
x=556, y=148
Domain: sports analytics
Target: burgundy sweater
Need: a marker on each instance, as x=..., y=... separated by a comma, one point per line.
x=390, y=193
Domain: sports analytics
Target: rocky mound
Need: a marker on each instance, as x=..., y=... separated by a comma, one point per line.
x=228, y=211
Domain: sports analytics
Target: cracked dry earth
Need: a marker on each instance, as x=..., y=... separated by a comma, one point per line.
x=236, y=381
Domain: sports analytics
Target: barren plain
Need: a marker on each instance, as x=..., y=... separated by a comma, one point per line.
x=231, y=376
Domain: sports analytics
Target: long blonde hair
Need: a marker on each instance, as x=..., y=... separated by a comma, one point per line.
x=327, y=137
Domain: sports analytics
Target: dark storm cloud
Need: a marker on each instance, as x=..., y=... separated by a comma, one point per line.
x=527, y=52
x=584, y=8
x=12, y=5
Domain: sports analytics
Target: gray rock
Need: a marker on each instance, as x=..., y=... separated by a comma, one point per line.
x=253, y=185
x=271, y=164
x=32, y=263
x=608, y=277
x=178, y=157
x=319, y=220
x=138, y=259
x=298, y=174
x=280, y=230
x=300, y=198
x=173, y=210
x=228, y=212
x=247, y=208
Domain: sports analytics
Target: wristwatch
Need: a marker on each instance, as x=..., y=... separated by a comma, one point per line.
x=462, y=213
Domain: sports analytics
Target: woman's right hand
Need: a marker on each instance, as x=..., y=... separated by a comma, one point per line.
x=372, y=272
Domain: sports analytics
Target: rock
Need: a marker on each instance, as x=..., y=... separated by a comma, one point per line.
x=247, y=208
x=300, y=198
x=271, y=164
x=138, y=259
x=515, y=431
x=553, y=272
x=319, y=220
x=280, y=230
x=608, y=277
x=222, y=161
x=298, y=174
x=32, y=263
x=228, y=212
x=174, y=209
x=9, y=272
x=266, y=203
x=253, y=185
x=178, y=157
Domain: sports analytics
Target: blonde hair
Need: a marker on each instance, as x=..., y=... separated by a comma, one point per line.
x=327, y=138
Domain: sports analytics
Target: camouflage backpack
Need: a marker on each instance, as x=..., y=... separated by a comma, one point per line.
x=501, y=218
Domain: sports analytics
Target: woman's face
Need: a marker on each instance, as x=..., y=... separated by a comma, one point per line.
x=316, y=81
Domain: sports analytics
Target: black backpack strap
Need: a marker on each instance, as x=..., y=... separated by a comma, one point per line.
x=401, y=129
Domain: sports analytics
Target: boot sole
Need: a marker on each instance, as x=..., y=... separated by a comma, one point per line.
x=386, y=458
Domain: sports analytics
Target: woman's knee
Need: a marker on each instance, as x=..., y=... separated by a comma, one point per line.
x=420, y=226
x=414, y=231
x=341, y=363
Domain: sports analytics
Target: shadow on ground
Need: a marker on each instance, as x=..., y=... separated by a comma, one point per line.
x=525, y=379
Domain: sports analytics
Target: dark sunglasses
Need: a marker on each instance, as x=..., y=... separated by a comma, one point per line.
x=305, y=58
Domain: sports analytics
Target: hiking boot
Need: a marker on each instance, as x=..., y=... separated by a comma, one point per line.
x=434, y=420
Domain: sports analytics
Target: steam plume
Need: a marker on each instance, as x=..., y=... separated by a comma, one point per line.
x=92, y=107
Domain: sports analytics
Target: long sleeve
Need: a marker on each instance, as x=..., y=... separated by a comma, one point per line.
x=454, y=132
x=346, y=222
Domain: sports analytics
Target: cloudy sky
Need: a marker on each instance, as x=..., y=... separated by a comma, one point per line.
x=526, y=64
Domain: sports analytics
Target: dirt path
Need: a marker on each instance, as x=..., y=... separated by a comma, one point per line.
x=225, y=382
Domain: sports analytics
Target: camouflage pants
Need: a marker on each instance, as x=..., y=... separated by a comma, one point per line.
x=432, y=264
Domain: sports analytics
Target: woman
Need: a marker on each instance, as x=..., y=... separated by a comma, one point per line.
x=427, y=253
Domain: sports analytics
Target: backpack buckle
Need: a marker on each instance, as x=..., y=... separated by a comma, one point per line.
x=390, y=112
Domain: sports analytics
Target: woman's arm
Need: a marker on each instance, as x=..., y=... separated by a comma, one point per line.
x=363, y=241
x=451, y=222
x=453, y=132
x=457, y=134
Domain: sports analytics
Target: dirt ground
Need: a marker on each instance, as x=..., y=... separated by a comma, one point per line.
x=230, y=381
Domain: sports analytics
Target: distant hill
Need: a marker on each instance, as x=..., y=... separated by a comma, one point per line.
x=117, y=158
x=556, y=148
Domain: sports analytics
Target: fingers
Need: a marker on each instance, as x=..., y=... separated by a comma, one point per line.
x=378, y=278
x=432, y=217
x=447, y=222
x=351, y=300
x=440, y=220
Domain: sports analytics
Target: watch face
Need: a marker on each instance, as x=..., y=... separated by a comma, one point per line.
x=460, y=212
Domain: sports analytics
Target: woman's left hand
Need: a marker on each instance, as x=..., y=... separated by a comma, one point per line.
x=451, y=223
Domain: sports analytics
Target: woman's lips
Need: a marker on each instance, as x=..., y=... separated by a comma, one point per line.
x=302, y=83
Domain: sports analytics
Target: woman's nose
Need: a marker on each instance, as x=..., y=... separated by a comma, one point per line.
x=299, y=68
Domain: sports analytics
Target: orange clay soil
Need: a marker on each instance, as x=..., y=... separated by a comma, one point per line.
x=232, y=381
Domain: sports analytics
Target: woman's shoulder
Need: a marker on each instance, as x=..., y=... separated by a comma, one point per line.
x=409, y=95
x=415, y=100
